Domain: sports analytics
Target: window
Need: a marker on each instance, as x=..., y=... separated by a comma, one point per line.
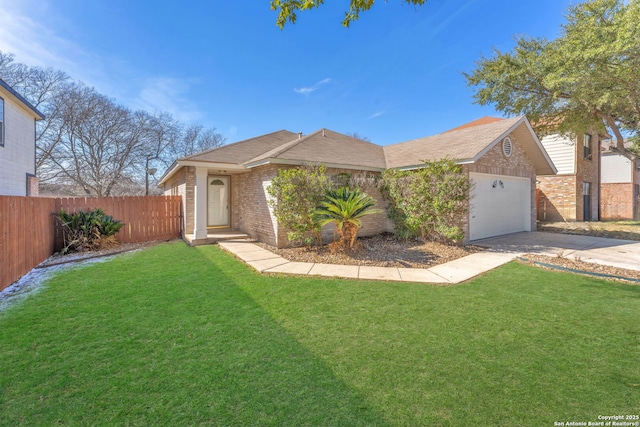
x=587, y=146
x=1, y=122
x=507, y=146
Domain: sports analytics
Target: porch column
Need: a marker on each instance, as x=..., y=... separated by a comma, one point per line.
x=200, y=211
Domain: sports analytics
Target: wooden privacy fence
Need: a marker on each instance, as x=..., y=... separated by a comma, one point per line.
x=29, y=233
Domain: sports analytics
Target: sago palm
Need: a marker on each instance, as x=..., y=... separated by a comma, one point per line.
x=344, y=207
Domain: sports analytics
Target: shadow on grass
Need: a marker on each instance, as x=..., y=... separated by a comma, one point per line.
x=130, y=342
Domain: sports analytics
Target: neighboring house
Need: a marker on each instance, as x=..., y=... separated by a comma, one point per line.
x=225, y=188
x=573, y=194
x=620, y=184
x=17, y=144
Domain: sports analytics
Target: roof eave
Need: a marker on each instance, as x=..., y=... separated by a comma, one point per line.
x=22, y=100
x=276, y=161
x=179, y=164
x=541, y=169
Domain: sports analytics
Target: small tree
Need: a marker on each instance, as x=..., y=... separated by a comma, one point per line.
x=295, y=193
x=429, y=201
x=344, y=207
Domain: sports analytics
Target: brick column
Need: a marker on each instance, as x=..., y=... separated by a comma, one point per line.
x=200, y=200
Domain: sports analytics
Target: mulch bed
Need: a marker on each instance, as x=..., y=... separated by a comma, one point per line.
x=382, y=250
x=582, y=266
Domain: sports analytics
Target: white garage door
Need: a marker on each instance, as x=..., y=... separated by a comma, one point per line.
x=499, y=205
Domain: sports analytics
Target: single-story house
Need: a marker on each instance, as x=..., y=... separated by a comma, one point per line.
x=225, y=188
x=17, y=143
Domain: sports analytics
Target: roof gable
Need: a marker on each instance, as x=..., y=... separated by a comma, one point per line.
x=468, y=143
x=327, y=147
x=243, y=151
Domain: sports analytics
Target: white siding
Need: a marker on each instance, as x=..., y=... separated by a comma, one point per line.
x=17, y=157
x=615, y=168
x=562, y=152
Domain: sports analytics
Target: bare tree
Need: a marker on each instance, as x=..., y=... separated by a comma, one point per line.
x=41, y=87
x=90, y=145
x=196, y=138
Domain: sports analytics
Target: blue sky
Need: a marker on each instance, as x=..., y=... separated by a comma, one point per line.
x=394, y=75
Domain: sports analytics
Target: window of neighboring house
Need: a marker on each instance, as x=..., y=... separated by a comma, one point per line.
x=587, y=146
x=1, y=122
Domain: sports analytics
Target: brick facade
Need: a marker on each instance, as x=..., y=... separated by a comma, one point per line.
x=250, y=211
x=618, y=201
x=561, y=197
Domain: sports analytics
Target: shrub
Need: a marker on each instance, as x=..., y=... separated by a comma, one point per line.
x=87, y=230
x=429, y=201
x=344, y=207
x=295, y=193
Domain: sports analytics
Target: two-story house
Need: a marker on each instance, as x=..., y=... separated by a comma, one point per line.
x=17, y=143
x=620, y=187
x=573, y=194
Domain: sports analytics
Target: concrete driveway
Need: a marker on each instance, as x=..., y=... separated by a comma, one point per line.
x=598, y=250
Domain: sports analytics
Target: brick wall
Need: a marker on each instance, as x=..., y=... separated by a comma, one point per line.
x=251, y=215
x=561, y=196
x=617, y=201
x=249, y=206
x=588, y=170
x=558, y=199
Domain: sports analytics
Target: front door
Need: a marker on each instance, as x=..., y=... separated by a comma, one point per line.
x=218, y=201
x=586, y=201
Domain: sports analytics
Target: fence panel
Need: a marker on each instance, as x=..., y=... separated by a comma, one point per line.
x=29, y=233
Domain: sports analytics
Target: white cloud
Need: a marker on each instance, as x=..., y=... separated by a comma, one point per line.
x=170, y=95
x=28, y=30
x=376, y=114
x=307, y=90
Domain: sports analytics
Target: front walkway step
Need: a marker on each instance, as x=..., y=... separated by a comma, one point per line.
x=215, y=237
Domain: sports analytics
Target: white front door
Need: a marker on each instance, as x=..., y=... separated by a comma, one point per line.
x=217, y=201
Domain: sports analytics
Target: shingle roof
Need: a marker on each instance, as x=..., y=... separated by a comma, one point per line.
x=243, y=151
x=481, y=121
x=462, y=145
x=327, y=147
x=466, y=143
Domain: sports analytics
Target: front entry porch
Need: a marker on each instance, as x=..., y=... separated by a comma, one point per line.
x=214, y=236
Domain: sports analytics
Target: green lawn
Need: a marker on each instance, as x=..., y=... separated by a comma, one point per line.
x=175, y=335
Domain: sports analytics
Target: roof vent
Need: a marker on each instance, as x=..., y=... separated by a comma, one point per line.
x=323, y=132
x=299, y=135
x=507, y=146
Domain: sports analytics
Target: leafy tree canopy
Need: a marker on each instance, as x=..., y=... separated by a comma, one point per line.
x=288, y=9
x=588, y=77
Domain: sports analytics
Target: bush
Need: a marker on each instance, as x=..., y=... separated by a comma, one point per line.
x=295, y=193
x=87, y=230
x=429, y=201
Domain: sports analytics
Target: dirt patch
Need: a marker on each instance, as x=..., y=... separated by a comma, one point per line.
x=383, y=250
x=626, y=230
x=113, y=248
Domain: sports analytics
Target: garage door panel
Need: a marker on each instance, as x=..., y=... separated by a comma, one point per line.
x=499, y=205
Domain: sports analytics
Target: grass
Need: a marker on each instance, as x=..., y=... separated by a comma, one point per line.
x=175, y=335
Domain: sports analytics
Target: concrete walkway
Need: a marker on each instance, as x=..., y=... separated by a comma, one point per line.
x=501, y=250
x=597, y=250
x=456, y=271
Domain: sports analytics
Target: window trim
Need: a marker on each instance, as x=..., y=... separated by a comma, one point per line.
x=2, y=121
